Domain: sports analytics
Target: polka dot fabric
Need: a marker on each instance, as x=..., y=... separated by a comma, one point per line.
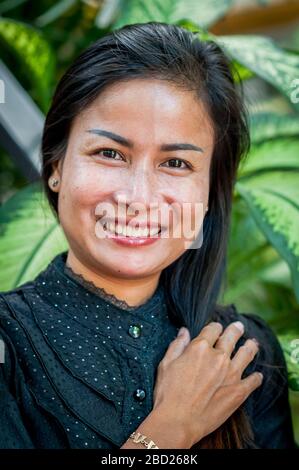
x=85, y=363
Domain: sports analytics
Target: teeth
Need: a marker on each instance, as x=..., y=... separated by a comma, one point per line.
x=130, y=231
x=154, y=231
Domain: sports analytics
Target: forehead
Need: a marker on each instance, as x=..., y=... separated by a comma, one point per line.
x=147, y=109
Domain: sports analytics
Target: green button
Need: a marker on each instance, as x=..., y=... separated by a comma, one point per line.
x=139, y=394
x=135, y=331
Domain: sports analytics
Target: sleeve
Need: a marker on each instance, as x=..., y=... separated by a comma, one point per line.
x=13, y=432
x=270, y=409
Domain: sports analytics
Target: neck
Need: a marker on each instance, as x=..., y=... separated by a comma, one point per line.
x=134, y=292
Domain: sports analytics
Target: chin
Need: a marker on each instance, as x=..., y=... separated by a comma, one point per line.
x=128, y=270
x=120, y=263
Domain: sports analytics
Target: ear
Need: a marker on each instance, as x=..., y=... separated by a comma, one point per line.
x=58, y=168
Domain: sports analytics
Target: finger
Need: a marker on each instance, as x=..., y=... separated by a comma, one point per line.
x=178, y=345
x=230, y=398
x=244, y=355
x=210, y=333
x=227, y=341
x=250, y=383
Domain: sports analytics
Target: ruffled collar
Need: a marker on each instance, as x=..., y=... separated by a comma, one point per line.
x=110, y=298
x=84, y=302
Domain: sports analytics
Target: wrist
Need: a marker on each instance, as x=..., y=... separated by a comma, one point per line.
x=166, y=434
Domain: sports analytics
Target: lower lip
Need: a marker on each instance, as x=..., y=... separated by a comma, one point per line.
x=132, y=241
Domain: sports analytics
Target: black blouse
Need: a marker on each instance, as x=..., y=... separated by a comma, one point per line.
x=80, y=365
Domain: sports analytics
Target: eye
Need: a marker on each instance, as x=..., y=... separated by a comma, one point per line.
x=108, y=153
x=176, y=162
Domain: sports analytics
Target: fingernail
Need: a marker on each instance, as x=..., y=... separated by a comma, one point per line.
x=181, y=331
x=260, y=375
x=239, y=325
x=255, y=341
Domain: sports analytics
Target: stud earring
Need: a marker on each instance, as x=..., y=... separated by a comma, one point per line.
x=207, y=209
x=54, y=182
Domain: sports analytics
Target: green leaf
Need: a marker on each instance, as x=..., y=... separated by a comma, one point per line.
x=258, y=278
x=107, y=13
x=261, y=55
x=239, y=72
x=249, y=257
x=203, y=13
x=272, y=199
x=265, y=125
x=29, y=237
x=277, y=154
x=138, y=11
x=290, y=345
x=55, y=12
x=33, y=53
x=7, y=5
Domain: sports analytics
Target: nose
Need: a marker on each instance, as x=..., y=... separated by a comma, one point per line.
x=141, y=189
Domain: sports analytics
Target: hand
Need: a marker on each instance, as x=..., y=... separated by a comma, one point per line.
x=199, y=385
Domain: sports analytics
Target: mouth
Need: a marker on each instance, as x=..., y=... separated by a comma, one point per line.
x=125, y=231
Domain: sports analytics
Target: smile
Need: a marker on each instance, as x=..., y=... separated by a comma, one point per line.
x=127, y=231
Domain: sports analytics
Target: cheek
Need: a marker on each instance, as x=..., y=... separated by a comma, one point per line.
x=193, y=192
x=85, y=187
x=192, y=202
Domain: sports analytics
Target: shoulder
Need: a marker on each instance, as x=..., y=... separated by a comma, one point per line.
x=13, y=301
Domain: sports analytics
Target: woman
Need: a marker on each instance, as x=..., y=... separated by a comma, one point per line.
x=92, y=352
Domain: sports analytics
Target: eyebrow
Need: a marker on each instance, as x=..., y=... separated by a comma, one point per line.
x=128, y=143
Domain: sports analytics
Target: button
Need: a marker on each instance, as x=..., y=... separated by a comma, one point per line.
x=139, y=394
x=135, y=331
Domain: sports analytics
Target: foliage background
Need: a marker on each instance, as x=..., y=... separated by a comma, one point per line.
x=40, y=39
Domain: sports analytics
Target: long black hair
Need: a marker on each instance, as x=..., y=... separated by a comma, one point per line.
x=168, y=52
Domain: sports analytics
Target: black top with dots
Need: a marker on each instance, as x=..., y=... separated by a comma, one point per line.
x=80, y=365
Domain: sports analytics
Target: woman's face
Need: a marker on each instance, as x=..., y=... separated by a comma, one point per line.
x=137, y=171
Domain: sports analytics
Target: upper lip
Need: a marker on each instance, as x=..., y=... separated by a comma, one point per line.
x=135, y=224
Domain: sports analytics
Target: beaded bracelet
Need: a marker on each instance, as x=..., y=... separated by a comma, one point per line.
x=140, y=438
